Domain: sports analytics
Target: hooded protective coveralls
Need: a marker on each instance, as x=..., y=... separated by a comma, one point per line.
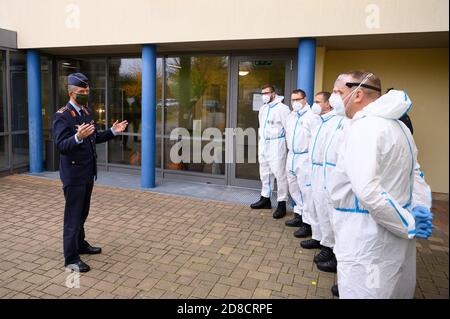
x=299, y=127
x=332, y=148
x=272, y=148
x=376, y=183
x=322, y=229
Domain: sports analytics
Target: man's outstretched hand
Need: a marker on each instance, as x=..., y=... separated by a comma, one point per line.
x=120, y=127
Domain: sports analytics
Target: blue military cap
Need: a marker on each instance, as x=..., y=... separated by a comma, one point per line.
x=78, y=79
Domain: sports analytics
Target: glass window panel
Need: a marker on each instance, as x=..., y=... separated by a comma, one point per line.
x=159, y=109
x=20, y=149
x=101, y=153
x=47, y=110
x=4, y=152
x=19, y=102
x=196, y=100
x=3, y=108
x=125, y=95
x=65, y=67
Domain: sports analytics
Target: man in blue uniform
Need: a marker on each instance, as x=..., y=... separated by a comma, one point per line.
x=75, y=136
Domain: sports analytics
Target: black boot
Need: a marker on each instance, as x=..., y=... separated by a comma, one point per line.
x=78, y=266
x=335, y=291
x=310, y=244
x=280, y=212
x=325, y=254
x=328, y=266
x=295, y=222
x=303, y=232
x=264, y=202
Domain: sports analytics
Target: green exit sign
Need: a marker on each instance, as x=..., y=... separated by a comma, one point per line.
x=262, y=63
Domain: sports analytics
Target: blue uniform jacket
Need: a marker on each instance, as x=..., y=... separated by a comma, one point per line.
x=78, y=162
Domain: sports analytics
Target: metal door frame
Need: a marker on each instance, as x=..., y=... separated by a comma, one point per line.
x=289, y=83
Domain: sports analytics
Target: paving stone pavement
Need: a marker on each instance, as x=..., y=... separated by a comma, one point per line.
x=167, y=246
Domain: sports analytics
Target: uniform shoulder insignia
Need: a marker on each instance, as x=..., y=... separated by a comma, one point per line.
x=63, y=109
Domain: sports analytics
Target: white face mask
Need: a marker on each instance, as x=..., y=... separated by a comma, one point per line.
x=297, y=106
x=316, y=109
x=337, y=104
x=266, y=98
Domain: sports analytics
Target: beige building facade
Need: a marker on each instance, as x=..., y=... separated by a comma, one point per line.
x=211, y=59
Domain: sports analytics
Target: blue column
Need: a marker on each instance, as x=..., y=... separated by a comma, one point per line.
x=148, y=124
x=306, y=67
x=34, y=110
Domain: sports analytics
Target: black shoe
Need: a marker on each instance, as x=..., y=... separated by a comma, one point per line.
x=303, y=232
x=280, y=212
x=328, y=266
x=294, y=222
x=310, y=244
x=325, y=254
x=335, y=291
x=264, y=202
x=90, y=250
x=78, y=266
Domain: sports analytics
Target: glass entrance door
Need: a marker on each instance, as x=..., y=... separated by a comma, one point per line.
x=249, y=74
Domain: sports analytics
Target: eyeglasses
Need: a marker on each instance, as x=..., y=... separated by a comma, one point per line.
x=367, y=86
x=265, y=93
x=298, y=100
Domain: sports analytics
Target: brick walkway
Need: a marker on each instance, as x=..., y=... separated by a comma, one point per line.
x=164, y=246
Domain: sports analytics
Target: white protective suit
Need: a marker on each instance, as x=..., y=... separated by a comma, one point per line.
x=299, y=127
x=272, y=148
x=319, y=218
x=332, y=147
x=376, y=182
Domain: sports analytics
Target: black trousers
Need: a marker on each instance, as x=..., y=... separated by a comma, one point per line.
x=76, y=211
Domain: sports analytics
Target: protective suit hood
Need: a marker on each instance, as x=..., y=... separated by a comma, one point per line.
x=276, y=100
x=304, y=108
x=392, y=105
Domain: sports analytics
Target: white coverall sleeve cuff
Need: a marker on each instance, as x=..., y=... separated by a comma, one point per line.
x=403, y=224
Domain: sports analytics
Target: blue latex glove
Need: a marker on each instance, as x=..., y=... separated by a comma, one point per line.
x=427, y=223
x=424, y=226
x=424, y=230
x=421, y=213
x=423, y=234
x=423, y=218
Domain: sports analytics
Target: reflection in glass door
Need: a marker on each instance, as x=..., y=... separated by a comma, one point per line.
x=195, y=114
x=249, y=75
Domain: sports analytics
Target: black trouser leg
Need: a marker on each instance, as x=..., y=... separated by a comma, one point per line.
x=82, y=243
x=73, y=217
